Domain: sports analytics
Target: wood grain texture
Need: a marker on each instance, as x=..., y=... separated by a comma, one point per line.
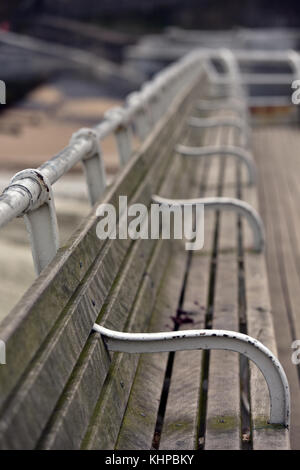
x=181, y=422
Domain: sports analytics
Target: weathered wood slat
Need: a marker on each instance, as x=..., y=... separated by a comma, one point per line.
x=127, y=434
x=181, y=422
x=223, y=403
x=114, y=316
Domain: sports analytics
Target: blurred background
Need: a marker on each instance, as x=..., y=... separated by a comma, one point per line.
x=65, y=62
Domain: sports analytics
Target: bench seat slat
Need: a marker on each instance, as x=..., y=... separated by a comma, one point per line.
x=181, y=421
x=66, y=344
x=260, y=326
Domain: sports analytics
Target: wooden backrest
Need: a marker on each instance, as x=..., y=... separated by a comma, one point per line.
x=53, y=359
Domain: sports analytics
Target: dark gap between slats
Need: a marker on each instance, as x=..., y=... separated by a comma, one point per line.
x=242, y=306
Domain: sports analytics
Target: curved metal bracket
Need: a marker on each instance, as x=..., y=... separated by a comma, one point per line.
x=211, y=339
x=239, y=152
x=225, y=203
x=217, y=104
x=40, y=219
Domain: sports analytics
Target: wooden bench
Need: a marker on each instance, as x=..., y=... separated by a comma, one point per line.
x=63, y=389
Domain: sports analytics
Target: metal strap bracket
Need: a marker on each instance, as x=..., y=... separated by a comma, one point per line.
x=223, y=150
x=122, y=133
x=225, y=203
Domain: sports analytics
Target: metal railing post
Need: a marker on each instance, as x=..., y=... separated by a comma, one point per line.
x=93, y=164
